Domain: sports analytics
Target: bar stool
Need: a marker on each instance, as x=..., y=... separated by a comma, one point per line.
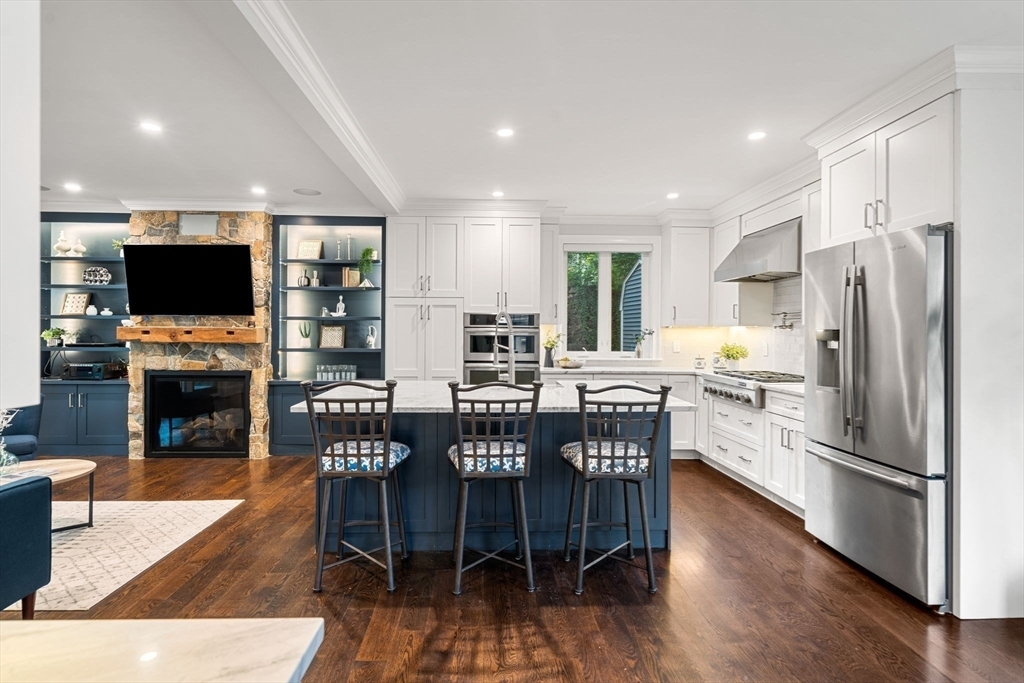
x=619, y=427
x=351, y=434
x=493, y=437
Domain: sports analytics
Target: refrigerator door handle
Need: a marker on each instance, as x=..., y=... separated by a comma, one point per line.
x=894, y=481
x=857, y=284
x=843, y=334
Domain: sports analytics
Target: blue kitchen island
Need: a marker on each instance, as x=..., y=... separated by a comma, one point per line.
x=423, y=421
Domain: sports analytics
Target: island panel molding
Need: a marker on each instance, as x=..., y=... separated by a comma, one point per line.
x=209, y=346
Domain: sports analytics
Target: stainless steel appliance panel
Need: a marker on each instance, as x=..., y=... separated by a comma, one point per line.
x=890, y=522
x=826, y=308
x=898, y=351
x=478, y=345
x=481, y=373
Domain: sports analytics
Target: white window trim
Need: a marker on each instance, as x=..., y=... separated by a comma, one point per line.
x=650, y=247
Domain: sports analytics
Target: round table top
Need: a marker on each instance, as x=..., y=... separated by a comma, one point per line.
x=64, y=469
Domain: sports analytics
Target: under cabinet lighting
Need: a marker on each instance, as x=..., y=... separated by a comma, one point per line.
x=151, y=126
x=757, y=135
x=672, y=195
x=72, y=187
x=506, y=133
x=497, y=193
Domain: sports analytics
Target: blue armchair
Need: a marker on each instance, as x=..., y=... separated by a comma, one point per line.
x=22, y=435
x=25, y=519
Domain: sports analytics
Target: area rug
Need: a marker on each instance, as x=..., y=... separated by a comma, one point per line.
x=127, y=539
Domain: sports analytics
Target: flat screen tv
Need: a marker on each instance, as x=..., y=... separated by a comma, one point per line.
x=189, y=279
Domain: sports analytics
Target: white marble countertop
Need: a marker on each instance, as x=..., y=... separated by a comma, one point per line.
x=621, y=370
x=266, y=650
x=435, y=397
x=788, y=389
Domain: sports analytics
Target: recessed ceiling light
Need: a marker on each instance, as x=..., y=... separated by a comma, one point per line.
x=757, y=135
x=497, y=193
x=72, y=187
x=506, y=133
x=258, y=190
x=672, y=195
x=44, y=188
x=306, y=192
x=151, y=126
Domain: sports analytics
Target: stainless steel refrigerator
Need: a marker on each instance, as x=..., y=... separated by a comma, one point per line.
x=877, y=379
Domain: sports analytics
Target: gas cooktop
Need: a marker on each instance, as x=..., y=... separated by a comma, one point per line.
x=763, y=376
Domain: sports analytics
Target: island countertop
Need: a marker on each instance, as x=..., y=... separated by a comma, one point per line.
x=557, y=396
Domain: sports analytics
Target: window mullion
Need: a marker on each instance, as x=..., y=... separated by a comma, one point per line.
x=604, y=303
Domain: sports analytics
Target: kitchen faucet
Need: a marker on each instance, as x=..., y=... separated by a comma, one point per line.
x=510, y=376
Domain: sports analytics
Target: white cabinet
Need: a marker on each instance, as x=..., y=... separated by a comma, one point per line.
x=737, y=303
x=898, y=177
x=771, y=214
x=810, y=226
x=426, y=341
x=684, y=424
x=784, y=448
x=550, y=264
x=425, y=257
x=502, y=265
x=685, y=279
x=700, y=443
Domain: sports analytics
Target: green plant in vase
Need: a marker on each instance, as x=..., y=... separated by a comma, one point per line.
x=366, y=259
x=52, y=336
x=305, y=329
x=118, y=245
x=551, y=343
x=733, y=353
x=638, y=341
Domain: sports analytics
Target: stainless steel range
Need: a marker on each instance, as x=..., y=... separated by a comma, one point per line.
x=745, y=387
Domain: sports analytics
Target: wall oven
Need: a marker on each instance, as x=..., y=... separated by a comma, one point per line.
x=481, y=334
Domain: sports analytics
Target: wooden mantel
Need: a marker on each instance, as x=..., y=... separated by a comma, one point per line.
x=200, y=335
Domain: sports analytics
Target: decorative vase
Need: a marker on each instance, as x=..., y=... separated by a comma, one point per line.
x=732, y=364
x=366, y=282
x=638, y=350
x=121, y=253
x=549, y=358
x=303, y=280
x=305, y=343
x=91, y=310
x=315, y=282
x=62, y=247
x=8, y=461
x=79, y=249
x=53, y=341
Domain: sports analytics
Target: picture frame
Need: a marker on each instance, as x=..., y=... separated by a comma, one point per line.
x=350, y=277
x=310, y=249
x=75, y=303
x=332, y=336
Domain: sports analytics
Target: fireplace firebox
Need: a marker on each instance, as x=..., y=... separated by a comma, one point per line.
x=197, y=414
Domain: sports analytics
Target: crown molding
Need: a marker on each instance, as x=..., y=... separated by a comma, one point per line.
x=552, y=214
x=788, y=180
x=307, y=210
x=469, y=207
x=685, y=218
x=938, y=72
x=51, y=205
x=278, y=29
x=609, y=220
x=198, y=205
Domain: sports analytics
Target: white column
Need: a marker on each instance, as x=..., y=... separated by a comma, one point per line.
x=19, y=208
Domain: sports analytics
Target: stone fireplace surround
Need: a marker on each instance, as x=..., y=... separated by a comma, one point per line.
x=254, y=229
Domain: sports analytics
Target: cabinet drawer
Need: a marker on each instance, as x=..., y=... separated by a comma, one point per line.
x=740, y=457
x=784, y=404
x=738, y=421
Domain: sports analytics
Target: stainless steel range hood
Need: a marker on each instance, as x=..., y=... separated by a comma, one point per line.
x=766, y=255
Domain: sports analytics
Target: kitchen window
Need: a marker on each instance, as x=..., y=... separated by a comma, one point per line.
x=606, y=297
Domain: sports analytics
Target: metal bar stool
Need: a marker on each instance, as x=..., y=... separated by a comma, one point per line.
x=619, y=427
x=351, y=434
x=493, y=437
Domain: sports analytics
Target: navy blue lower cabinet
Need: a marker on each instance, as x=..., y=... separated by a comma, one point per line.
x=430, y=492
x=289, y=432
x=84, y=418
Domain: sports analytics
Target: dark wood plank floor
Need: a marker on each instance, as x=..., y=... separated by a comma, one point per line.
x=744, y=595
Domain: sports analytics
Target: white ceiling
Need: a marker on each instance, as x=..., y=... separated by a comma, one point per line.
x=614, y=104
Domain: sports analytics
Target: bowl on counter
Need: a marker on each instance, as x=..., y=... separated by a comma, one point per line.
x=570, y=364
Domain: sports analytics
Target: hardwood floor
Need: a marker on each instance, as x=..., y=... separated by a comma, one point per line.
x=745, y=594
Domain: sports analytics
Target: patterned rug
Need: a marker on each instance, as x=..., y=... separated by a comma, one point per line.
x=127, y=539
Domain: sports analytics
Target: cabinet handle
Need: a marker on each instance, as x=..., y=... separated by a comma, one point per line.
x=80, y=401
x=421, y=312
x=744, y=459
x=71, y=400
x=506, y=301
x=782, y=438
x=722, y=448
x=556, y=311
x=735, y=312
x=879, y=213
x=497, y=300
x=789, y=440
x=420, y=286
x=868, y=224
x=749, y=424
x=673, y=314
x=792, y=407
x=428, y=283
x=428, y=312
x=721, y=413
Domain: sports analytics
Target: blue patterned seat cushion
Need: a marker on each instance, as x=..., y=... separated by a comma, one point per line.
x=631, y=461
x=491, y=456
x=358, y=457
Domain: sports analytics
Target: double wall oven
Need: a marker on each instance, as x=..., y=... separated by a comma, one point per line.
x=484, y=330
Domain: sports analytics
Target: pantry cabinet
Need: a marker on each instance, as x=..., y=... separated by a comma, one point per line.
x=425, y=257
x=423, y=346
x=899, y=177
x=502, y=265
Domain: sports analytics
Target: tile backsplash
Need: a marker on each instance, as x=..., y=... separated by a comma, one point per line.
x=788, y=345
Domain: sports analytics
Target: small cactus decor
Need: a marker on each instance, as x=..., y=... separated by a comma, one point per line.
x=305, y=329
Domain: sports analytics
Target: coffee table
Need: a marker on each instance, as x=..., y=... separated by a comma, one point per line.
x=60, y=471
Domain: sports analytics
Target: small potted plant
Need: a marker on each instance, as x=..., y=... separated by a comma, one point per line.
x=52, y=336
x=304, y=331
x=638, y=341
x=366, y=259
x=733, y=353
x=118, y=245
x=550, y=344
